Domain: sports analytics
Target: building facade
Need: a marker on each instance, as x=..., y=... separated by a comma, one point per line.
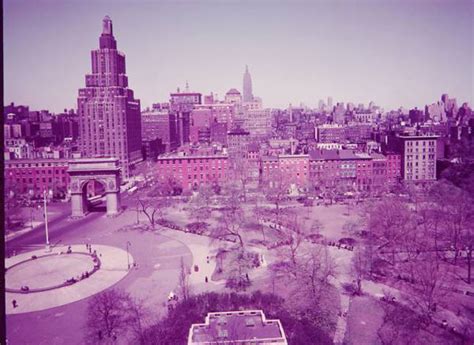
x=109, y=115
x=34, y=176
x=191, y=171
x=418, y=157
x=160, y=124
x=181, y=105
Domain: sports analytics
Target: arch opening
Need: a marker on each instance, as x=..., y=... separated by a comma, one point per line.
x=94, y=196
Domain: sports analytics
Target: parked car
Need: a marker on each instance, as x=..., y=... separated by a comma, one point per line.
x=198, y=227
x=315, y=238
x=348, y=241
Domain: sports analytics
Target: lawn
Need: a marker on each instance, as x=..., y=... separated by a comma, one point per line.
x=363, y=320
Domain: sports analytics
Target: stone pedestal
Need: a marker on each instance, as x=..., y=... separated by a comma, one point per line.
x=113, y=204
x=78, y=206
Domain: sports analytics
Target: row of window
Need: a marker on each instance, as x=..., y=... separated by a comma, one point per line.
x=417, y=157
x=29, y=165
x=37, y=180
x=30, y=172
x=417, y=143
x=189, y=161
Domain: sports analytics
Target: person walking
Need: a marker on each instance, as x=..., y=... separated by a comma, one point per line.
x=206, y=280
x=14, y=303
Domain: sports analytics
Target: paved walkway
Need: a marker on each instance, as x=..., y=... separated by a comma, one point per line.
x=113, y=269
x=201, y=249
x=343, y=259
x=204, y=252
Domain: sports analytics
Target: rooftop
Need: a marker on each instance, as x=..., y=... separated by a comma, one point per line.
x=408, y=136
x=337, y=155
x=185, y=155
x=237, y=327
x=233, y=92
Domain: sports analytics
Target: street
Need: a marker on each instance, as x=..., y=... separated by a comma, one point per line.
x=157, y=256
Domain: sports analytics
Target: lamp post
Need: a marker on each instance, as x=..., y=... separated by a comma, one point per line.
x=128, y=258
x=31, y=192
x=45, y=200
x=138, y=212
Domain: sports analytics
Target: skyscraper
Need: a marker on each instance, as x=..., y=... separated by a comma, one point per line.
x=181, y=106
x=109, y=115
x=247, y=87
x=330, y=104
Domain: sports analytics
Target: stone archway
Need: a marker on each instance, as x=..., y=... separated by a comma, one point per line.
x=103, y=170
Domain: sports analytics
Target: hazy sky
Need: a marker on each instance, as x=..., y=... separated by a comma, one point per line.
x=392, y=52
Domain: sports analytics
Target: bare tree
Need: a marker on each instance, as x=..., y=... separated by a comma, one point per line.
x=238, y=269
x=431, y=285
x=164, y=187
x=360, y=267
x=468, y=240
x=294, y=238
x=153, y=208
x=230, y=222
x=242, y=174
x=458, y=211
x=107, y=316
x=455, y=213
x=259, y=213
x=12, y=206
x=314, y=270
x=277, y=190
x=400, y=326
x=200, y=204
x=139, y=319
x=390, y=221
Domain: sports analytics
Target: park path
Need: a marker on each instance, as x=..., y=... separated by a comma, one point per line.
x=378, y=290
x=203, y=253
x=343, y=260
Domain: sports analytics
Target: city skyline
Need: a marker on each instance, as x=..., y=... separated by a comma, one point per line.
x=341, y=54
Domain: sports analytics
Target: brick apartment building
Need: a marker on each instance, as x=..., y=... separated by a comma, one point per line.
x=191, y=171
x=37, y=175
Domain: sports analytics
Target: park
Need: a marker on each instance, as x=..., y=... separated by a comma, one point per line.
x=319, y=257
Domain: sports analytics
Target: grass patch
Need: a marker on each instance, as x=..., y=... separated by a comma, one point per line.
x=364, y=318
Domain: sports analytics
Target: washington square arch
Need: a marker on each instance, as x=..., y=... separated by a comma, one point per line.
x=106, y=171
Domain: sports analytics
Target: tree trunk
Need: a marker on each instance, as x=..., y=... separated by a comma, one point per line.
x=241, y=242
x=469, y=261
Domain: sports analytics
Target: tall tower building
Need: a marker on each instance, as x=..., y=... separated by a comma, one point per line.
x=330, y=104
x=109, y=115
x=181, y=106
x=247, y=89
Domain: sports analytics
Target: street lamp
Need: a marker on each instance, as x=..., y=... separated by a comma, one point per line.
x=128, y=258
x=31, y=193
x=45, y=200
x=138, y=212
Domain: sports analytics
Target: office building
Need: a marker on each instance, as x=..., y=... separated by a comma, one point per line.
x=109, y=115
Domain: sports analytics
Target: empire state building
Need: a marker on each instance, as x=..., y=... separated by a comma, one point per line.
x=247, y=86
x=109, y=115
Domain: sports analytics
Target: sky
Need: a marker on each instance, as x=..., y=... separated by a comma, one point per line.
x=395, y=53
